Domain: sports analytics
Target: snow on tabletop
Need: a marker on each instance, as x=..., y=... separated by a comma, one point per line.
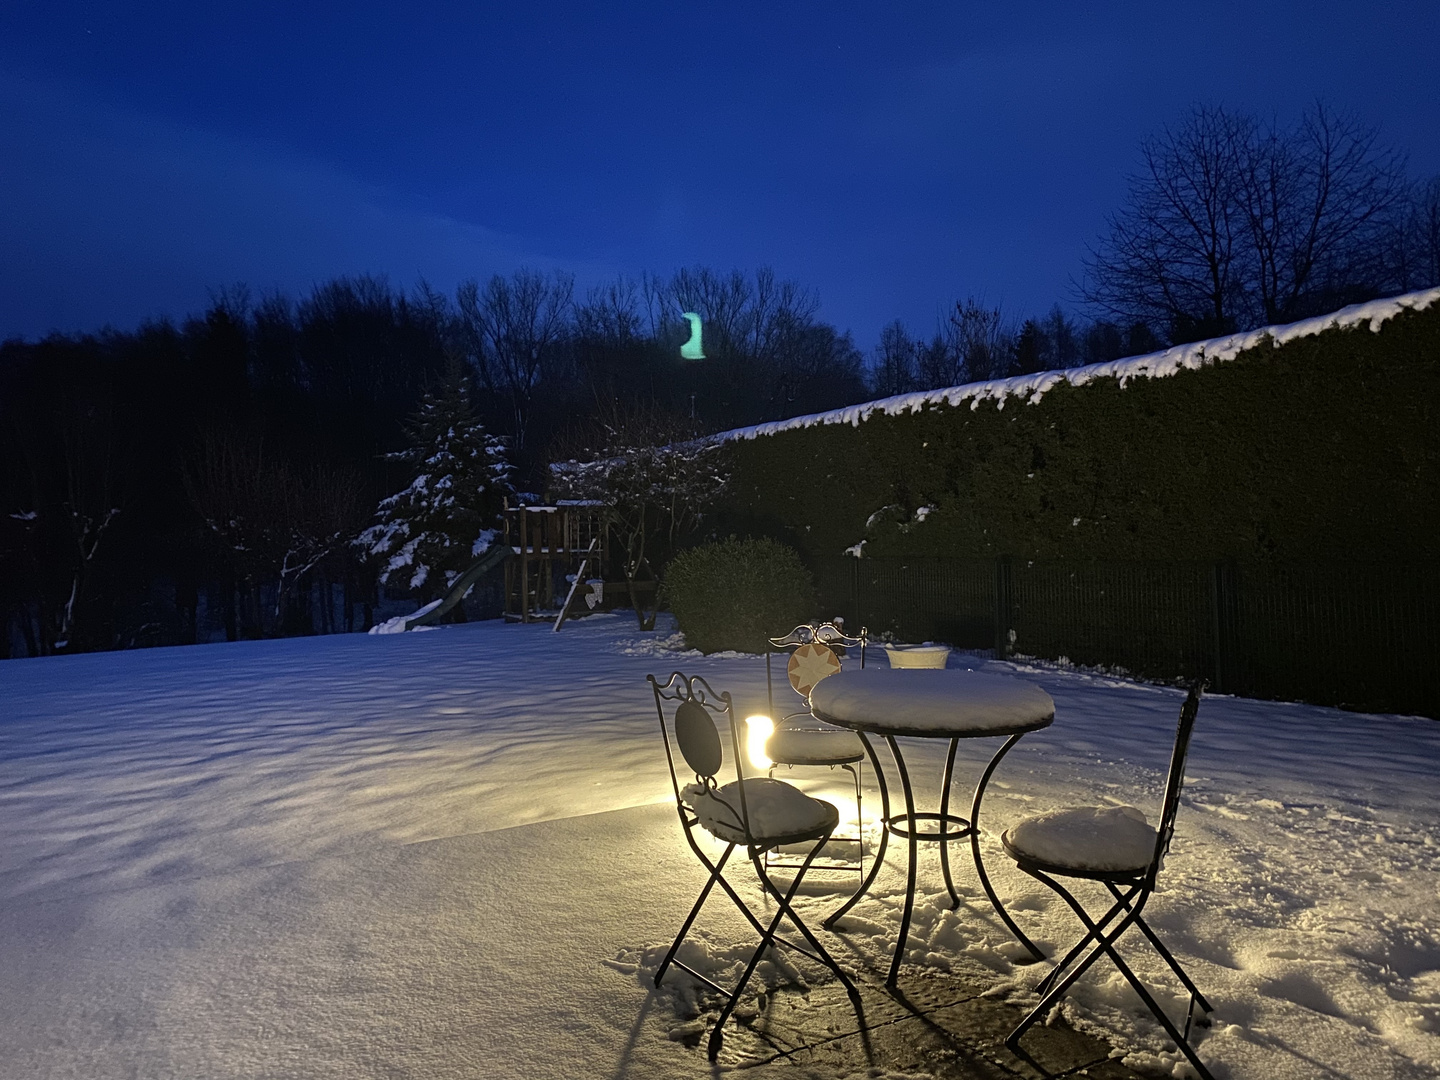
x=223, y=860
x=1087, y=838
x=1031, y=388
x=921, y=700
x=774, y=807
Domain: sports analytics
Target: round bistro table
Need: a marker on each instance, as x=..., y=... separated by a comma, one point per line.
x=924, y=704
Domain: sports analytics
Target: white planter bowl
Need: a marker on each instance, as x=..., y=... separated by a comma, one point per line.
x=918, y=656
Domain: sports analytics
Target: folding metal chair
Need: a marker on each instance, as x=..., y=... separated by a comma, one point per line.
x=1114, y=846
x=755, y=813
x=799, y=738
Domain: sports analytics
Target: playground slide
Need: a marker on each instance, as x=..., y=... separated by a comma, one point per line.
x=433, y=613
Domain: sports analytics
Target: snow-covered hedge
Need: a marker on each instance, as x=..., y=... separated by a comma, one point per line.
x=1312, y=441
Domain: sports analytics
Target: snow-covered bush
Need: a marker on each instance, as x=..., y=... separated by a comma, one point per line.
x=736, y=593
x=426, y=536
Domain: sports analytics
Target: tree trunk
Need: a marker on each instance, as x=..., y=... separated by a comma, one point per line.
x=327, y=606
x=631, y=576
x=252, y=613
x=187, y=605
x=232, y=628
x=27, y=631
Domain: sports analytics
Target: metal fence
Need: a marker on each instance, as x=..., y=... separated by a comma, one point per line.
x=1357, y=636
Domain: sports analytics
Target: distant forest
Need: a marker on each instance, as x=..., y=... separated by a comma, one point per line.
x=127, y=457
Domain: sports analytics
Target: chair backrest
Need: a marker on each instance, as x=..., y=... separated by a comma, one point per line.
x=828, y=635
x=1176, y=780
x=691, y=730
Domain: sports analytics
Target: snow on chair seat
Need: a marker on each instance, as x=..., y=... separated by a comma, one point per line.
x=814, y=746
x=1113, y=839
x=779, y=812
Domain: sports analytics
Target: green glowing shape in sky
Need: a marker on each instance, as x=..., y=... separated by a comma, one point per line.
x=691, y=350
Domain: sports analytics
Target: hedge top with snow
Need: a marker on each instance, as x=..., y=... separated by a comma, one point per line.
x=1157, y=365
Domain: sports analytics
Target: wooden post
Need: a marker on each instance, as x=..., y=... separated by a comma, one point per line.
x=524, y=565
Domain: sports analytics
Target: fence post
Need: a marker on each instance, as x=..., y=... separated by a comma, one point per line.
x=1004, y=606
x=1222, y=601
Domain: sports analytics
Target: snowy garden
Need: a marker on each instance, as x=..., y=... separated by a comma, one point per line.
x=455, y=853
x=401, y=417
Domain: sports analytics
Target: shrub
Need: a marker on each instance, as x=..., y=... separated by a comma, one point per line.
x=736, y=593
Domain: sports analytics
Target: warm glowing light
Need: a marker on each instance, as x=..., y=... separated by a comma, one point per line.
x=758, y=728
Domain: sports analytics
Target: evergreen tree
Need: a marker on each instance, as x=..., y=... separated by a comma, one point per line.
x=428, y=534
x=1028, y=354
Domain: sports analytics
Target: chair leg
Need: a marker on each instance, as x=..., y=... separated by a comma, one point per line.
x=1057, y=991
x=715, y=870
x=739, y=903
x=1174, y=964
x=855, y=771
x=767, y=939
x=821, y=952
x=1181, y=1042
x=1105, y=944
x=878, y=859
x=1092, y=929
x=715, y=877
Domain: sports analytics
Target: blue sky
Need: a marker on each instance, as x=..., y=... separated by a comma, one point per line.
x=894, y=157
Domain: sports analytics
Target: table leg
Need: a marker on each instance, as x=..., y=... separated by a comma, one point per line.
x=945, y=825
x=975, y=848
x=913, y=842
x=878, y=860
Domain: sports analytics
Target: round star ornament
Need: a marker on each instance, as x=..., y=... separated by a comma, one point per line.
x=808, y=665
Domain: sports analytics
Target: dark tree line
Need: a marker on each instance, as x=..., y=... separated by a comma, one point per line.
x=218, y=465
x=162, y=483
x=975, y=342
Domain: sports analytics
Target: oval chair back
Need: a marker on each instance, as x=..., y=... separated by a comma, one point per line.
x=696, y=736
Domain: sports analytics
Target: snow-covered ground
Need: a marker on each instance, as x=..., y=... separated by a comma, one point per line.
x=446, y=854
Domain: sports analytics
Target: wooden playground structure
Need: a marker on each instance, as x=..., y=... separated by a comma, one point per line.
x=559, y=558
